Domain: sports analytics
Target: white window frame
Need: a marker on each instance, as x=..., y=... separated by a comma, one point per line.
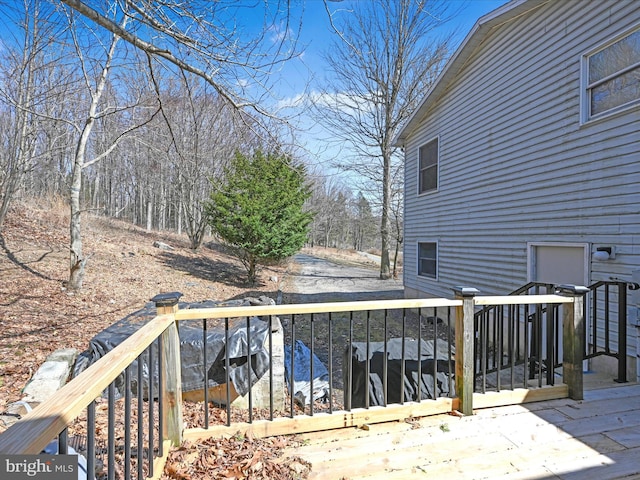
x=436, y=260
x=437, y=165
x=586, y=87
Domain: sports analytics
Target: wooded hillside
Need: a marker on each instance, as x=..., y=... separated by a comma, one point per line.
x=39, y=315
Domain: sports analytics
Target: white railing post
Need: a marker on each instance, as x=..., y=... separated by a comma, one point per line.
x=464, y=348
x=171, y=395
x=573, y=339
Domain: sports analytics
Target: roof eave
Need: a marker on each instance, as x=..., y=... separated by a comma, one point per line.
x=467, y=48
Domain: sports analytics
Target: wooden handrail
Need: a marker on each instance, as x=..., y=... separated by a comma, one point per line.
x=249, y=311
x=521, y=299
x=36, y=429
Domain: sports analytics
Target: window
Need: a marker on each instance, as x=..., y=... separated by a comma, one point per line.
x=612, y=76
x=427, y=259
x=428, y=174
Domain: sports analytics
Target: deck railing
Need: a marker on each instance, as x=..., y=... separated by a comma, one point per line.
x=607, y=335
x=129, y=417
x=517, y=335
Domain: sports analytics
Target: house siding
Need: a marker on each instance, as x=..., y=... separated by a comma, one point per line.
x=516, y=164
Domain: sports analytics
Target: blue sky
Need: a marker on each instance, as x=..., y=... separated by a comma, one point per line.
x=301, y=76
x=315, y=36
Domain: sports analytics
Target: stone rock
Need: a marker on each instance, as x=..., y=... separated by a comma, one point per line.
x=162, y=246
x=51, y=375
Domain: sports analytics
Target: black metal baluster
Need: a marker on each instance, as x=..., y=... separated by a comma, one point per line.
x=527, y=349
x=293, y=365
x=330, y=363
x=350, y=363
x=311, y=373
x=227, y=364
x=484, y=345
x=368, y=357
x=63, y=442
x=450, y=365
x=249, y=369
x=539, y=339
x=553, y=339
x=435, y=355
x=140, y=445
x=513, y=342
x=91, y=438
x=594, y=323
x=127, y=422
x=111, y=443
x=403, y=359
x=419, y=379
x=151, y=410
x=205, y=361
x=385, y=384
x=271, y=367
x=499, y=347
x=160, y=393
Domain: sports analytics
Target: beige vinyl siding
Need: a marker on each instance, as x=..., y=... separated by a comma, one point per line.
x=516, y=166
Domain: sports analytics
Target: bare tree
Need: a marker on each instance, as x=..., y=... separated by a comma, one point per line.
x=385, y=56
x=20, y=93
x=96, y=86
x=209, y=41
x=397, y=218
x=203, y=132
x=205, y=39
x=364, y=224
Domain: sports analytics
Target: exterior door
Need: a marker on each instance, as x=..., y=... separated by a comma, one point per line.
x=559, y=264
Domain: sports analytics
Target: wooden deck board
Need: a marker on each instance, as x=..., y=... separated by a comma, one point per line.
x=597, y=438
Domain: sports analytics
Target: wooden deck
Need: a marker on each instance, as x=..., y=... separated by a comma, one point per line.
x=597, y=438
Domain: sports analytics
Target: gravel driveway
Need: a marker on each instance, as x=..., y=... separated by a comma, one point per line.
x=317, y=280
x=320, y=280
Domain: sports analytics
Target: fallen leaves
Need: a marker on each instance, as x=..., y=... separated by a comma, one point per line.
x=38, y=316
x=235, y=458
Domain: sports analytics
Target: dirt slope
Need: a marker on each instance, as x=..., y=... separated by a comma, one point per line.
x=39, y=315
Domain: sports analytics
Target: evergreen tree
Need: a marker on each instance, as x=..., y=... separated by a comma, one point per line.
x=258, y=208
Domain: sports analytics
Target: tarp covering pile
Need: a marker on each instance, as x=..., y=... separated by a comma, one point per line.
x=412, y=387
x=247, y=347
x=302, y=374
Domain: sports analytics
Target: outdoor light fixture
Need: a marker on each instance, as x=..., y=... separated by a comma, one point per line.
x=604, y=253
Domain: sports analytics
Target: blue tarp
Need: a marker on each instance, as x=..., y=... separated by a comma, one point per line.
x=302, y=374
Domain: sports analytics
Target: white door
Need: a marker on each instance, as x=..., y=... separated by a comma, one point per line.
x=559, y=264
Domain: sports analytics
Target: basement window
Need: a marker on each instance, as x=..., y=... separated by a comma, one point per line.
x=428, y=259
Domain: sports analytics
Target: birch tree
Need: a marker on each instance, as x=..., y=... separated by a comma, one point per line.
x=95, y=86
x=384, y=58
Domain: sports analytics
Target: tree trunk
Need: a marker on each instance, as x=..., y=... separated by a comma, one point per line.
x=395, y=259
x=251, y=271
x=77, y=261
x=20, y=152
x=385, y=270
x=179, y=215
x=149, y=213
